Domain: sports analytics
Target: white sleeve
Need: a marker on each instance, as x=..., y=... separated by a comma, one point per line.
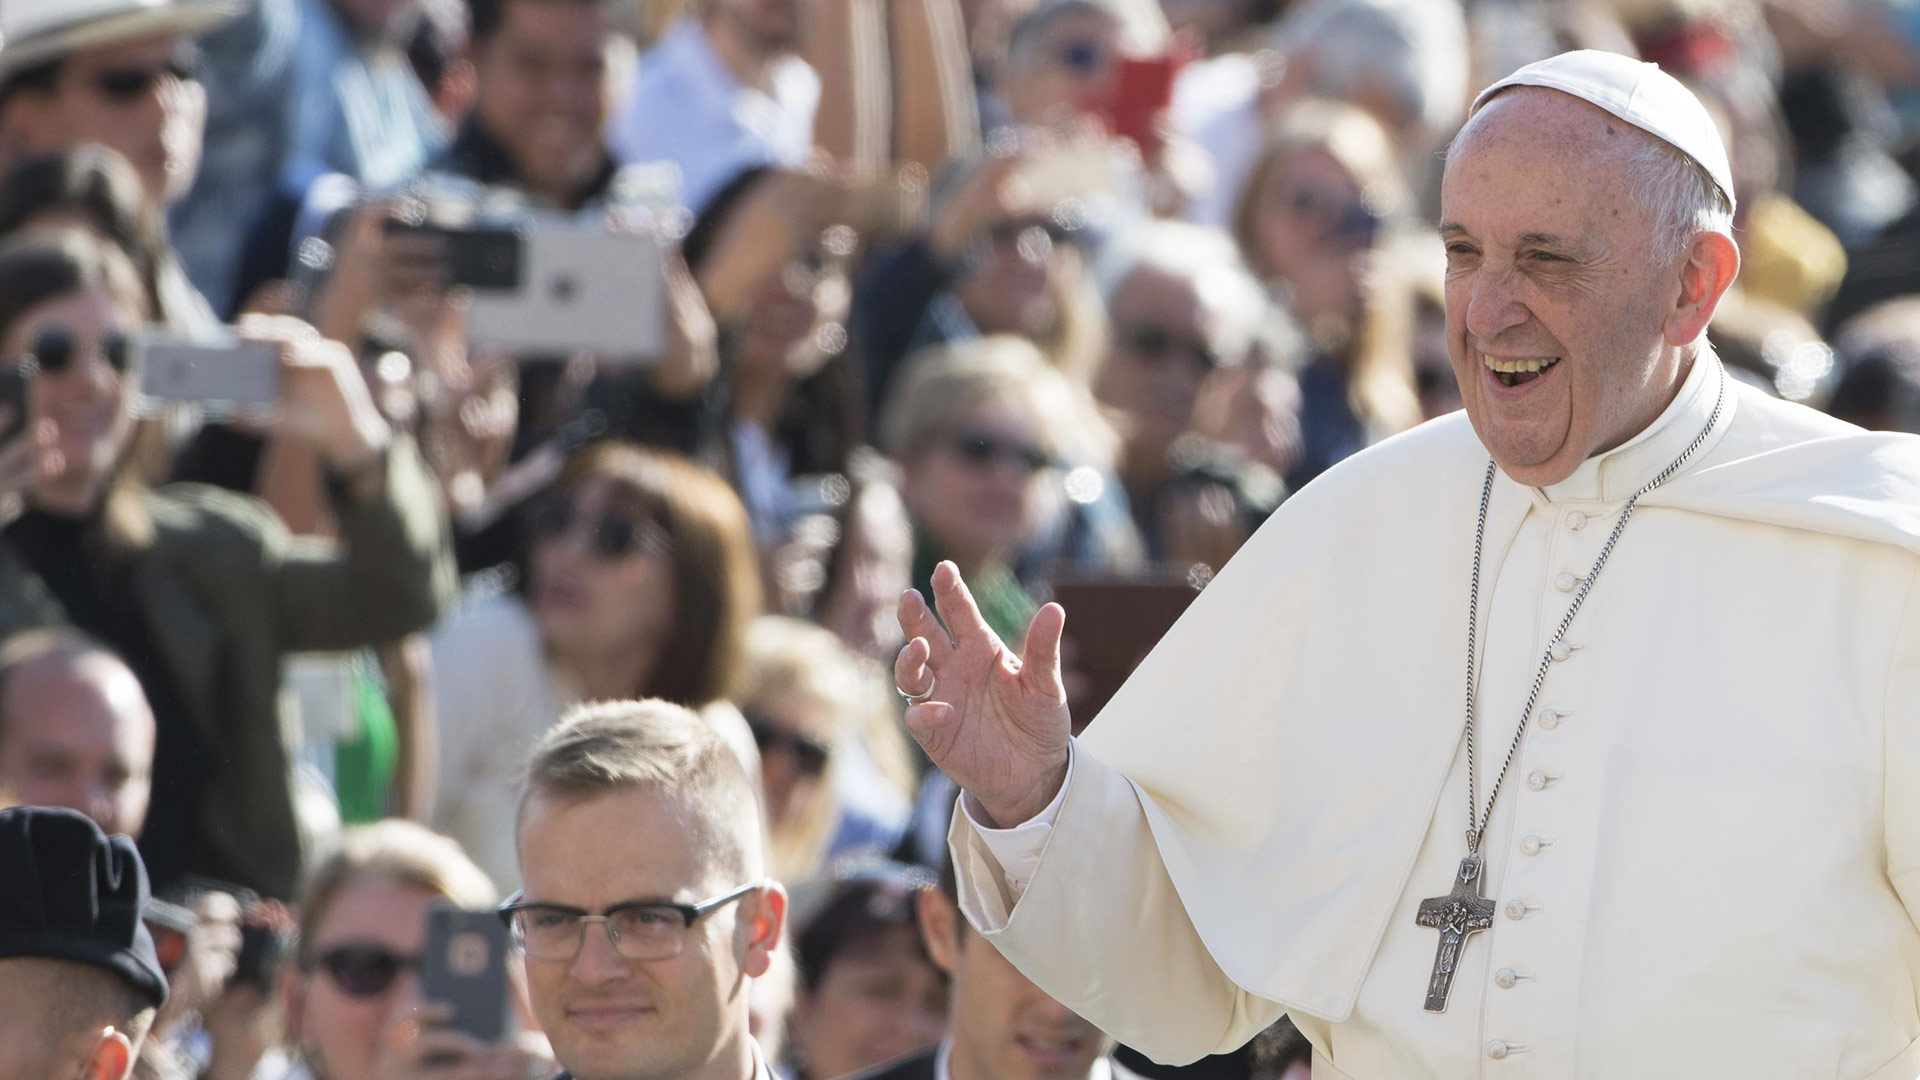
x=1018, y=849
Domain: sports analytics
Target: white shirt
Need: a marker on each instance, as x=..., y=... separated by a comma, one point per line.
x=1706, y=857
x=686, y=107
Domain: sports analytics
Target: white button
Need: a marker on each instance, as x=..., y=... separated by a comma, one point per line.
x=1562, y=650
x=1576, y=520
x=1531, y=846
x=1550, y=718
x=1537, y=780
x=1516, y=910
x=1497, y=1049
x=1566, y=581
x=1504, y=978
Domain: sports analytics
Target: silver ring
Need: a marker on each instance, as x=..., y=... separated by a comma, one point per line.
x=918, y=699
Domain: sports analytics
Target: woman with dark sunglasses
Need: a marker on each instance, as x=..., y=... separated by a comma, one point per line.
x=352, y=998
x=834, y=766
x=637, y=578
x=201, y=592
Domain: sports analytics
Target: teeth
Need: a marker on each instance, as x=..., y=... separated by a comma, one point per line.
x=1520, y=366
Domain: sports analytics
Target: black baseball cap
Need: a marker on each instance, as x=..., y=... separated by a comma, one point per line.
x=71, y=892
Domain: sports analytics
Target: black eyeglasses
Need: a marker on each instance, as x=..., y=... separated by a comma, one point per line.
x=979, y=449
x=361, y=969
x=124, y=85
x=54, y=349
x=1158, y=342
x=641, y=930
x=612, y=536
x=809, y=756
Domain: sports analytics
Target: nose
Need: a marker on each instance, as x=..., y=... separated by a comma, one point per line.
x=1493, y=307
x=598, y=962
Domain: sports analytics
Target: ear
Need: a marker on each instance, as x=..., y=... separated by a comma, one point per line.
x=939, y=928
x=764, y=920
x=112, y=1057
x=1706, y=271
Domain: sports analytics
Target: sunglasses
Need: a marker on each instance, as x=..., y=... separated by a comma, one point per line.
x=125, y=85
x=809, y=757
x=361, y=970
x=1159, y=343
x=54, y=350
x=983, y=451
x=611, y=536
x=1350, y=224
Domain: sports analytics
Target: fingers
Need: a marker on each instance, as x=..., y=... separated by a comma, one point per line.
x=1040, y=663
x=910, y=671
x=928, y=722
x=958, y=610
x=917, y=620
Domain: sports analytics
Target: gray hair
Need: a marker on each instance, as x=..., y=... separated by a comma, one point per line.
x=1203, y=255
x=1678, y=194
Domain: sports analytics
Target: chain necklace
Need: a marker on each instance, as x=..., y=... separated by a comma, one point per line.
x=1465, y=911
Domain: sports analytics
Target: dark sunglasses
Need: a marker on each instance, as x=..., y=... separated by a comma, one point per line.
x=1350, y=224
x=1082, y=58
x=809, y=757
x=361, y=970
x=983, y=450
x=124, y=85
x=612, y=536
x=1159, y=343
x=54, y=350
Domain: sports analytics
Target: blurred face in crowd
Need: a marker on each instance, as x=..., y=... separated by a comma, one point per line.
x=1315, y=235
x=80, y=343
x=766, y=28
x=611, y=1017
x=1004, y=1027
x=795, y=733
x=1068, y=73
x=874, y=565
x=1549, y=267
x=1162, y=351
x=76, y=731
x=1019, y=270
x=976, y=490
x=545, y=91
x=598, y=575
x=139, y=99
x=879, y=1000
x=796, y=322
x=358, y=974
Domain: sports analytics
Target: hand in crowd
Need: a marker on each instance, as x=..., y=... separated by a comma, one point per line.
x=993, y=721
x=324, y=400
x=778, y=221
x=417, y=1046
x=32, y=455
x=212, y=954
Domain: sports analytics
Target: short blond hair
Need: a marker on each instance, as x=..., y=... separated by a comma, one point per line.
x=400, y=851
x=943, y=384
x=663, y=749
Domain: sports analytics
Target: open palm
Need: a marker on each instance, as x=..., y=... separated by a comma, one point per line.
x=994, y=722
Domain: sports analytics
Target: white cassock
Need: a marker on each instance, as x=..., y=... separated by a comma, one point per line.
x=1706, y=858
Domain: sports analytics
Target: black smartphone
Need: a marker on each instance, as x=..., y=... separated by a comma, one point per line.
x=16, y=409
x=479, y=257
x=465, y=966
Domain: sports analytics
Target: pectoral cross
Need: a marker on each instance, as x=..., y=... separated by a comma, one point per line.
x=1457, y=915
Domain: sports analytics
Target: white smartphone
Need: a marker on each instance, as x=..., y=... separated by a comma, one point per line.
x=573, y=289
x=220, y=371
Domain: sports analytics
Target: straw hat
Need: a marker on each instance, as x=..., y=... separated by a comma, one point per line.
x=34, y=31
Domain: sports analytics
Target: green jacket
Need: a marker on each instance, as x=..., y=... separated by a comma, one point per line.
x=228, y=594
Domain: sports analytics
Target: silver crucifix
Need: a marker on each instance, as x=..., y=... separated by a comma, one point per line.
x=1457, y=915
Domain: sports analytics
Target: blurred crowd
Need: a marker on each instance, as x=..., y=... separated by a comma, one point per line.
x=628, y=349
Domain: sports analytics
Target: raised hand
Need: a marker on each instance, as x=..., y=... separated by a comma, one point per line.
x=994, y=722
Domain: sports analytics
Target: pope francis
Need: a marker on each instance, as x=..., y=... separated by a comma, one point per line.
x=1575, y=736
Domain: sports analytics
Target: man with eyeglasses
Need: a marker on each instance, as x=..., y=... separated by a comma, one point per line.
x=646, y=908
x=119, y=73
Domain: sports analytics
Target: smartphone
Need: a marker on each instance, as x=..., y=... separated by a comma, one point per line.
x=577, y=290
x=221, y=372
x=1144, y=93
x=465, y=966
x=16, y=405
x=477, y=257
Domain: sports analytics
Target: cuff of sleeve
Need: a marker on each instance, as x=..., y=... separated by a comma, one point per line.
x=1010, y=857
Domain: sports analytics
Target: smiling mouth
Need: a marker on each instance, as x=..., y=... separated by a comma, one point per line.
x=1512, y=371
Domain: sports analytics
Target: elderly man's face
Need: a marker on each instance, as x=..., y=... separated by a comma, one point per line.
x=1550, y=271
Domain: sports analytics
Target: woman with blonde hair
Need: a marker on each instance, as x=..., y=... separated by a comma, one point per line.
x=834, y=766
x=1313, y=220
x=639, y=579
